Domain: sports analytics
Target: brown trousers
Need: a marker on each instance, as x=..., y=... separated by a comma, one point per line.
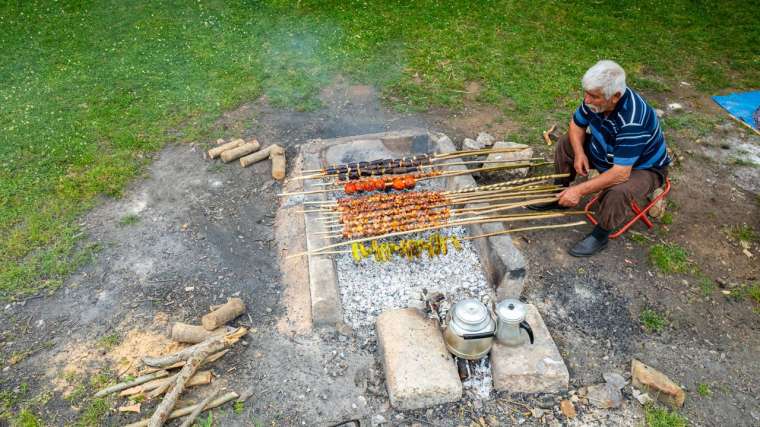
x=613, y=207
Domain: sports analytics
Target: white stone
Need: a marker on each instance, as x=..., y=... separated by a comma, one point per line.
x=486, y=139
x=530, y=368
x=675, y=106
x=471, y=144
x=419, y=371
x=525, y=153
x=659, y=112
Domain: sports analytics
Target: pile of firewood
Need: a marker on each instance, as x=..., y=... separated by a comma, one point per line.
x=212, y=340
x=249, y=153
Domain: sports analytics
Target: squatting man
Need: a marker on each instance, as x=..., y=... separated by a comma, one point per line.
x=617, y=133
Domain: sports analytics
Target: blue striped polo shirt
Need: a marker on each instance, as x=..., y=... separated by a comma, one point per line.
x=629, y=136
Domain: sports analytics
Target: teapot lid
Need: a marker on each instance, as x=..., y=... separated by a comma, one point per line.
x=511, y=310
x=471, y=316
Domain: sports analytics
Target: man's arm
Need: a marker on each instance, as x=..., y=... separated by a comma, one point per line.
x=577, y=137
x=615, y=175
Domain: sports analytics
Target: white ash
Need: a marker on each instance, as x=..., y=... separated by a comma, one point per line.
x=368, y=288
x=479, y=383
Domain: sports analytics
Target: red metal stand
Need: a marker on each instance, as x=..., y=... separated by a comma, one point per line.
x=641, y=214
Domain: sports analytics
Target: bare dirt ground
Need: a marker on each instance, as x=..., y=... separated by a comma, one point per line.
x=195, y=232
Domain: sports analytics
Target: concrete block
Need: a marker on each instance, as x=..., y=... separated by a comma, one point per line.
x=419, y=371
x=530, y=368
x=525, y=153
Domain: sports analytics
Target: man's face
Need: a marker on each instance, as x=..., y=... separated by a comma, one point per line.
x=595, y=101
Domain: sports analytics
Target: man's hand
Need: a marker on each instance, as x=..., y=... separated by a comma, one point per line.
x=581, y=164
x=570, y=197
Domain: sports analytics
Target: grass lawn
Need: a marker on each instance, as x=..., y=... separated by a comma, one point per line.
x=91, y=87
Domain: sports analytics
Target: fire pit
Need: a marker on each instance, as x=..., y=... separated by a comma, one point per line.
x=502, y=267
x=489, y=269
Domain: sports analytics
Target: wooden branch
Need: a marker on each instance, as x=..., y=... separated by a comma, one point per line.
x=200, y=378
x=137, y=381
x=202, y=351
x=258, y=156
x=184, y=354
x=213, y=358
x=187, y=422
x=189, y=409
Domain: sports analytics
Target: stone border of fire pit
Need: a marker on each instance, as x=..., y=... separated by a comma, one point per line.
x=503, y=264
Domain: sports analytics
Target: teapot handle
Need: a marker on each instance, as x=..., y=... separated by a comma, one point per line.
x=526, y=326
x=478, y=336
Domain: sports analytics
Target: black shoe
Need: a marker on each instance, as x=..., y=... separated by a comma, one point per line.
x=551, y=206
x=588, y=246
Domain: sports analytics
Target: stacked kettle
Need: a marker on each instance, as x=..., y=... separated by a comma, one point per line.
x=471, y=327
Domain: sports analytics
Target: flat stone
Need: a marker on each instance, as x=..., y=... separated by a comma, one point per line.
x=530, y=368
x=419, y=371
x=656, y=384
x=525, y=153
x=604, y=396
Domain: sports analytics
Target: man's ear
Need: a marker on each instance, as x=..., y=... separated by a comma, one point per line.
x=616, y=97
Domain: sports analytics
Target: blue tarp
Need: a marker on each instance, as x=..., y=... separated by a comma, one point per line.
x=741, y=105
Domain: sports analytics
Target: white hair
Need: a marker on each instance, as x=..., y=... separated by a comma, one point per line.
x=605, y=75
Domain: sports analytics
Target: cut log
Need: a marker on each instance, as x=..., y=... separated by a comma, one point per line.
x=239, y=152
x=232, y=309
x=185, y=354
x=187, y=422
x=216, y=151
x=278, y=162
x=258, y=156
x=193, y=334
x=137, y=381
x=200, y=378
x=189, y=409
x=204, y=350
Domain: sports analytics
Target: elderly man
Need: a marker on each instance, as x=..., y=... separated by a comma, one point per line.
x=617, y=133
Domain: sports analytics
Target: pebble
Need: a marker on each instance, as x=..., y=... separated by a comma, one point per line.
x=378, y=419
x=537, y=412
x=614, y=379
x=675, y=106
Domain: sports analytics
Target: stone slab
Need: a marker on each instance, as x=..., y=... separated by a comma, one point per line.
x=536, y=368
x=525, y=153
x=419, y=371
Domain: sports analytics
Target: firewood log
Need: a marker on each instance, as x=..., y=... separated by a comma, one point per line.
x=233, y=308
x=240, y=151
x=193, y=334
x=216, y=151
x=257, y=156
x=278, y=162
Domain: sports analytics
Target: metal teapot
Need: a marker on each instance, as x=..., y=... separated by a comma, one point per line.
x=511, y=315
x=470, y=329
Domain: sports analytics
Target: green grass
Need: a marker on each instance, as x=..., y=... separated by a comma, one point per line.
x=238, y=407
x=129, y=220
x=743, y=233
x=89, y=88
x=669, y=258
x=652, y=321
x=704, y=390
x=659, y=417
x=706, y=286
x=110, y=341
x=205, y=422
x=26, y=418
x=753, y=291
x=667, y=218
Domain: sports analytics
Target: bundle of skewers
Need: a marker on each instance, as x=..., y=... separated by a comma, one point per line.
x=404, y=173
x=373, y=217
